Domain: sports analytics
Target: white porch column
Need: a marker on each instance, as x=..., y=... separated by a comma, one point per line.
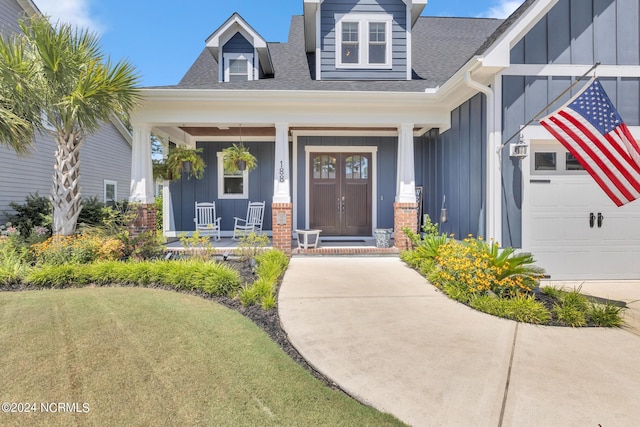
x=406, y=179
x=141, y=169
x=281, y=180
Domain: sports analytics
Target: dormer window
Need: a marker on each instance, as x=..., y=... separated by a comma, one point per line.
x=238, y=67
x=364, y=41
x=242, y=54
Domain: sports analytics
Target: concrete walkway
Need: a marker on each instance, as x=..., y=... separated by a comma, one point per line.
x=388, y=338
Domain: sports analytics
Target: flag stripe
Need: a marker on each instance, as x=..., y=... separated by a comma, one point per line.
x=587, y=165
x=589, y=126
x=575, y=141
x=614, y=166
x=631, y=144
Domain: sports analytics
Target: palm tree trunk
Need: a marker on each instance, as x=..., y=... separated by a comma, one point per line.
x=65, y=193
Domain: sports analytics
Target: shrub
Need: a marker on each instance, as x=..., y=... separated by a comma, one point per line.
x=250, y=245
x=93, y=212
x=271, y=266
x=570, y=314
x=208, y=277
x=525, y=308
x=34, y=212
x=159, y=212
x=197, y=246
x=12, y=261
x=144, y=246
x=608, y=315
x=483, y=268
x=521, y=308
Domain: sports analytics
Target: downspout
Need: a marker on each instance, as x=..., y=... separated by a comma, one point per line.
x=493, y=209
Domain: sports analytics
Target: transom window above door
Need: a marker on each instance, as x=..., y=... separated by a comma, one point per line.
x=363, y=41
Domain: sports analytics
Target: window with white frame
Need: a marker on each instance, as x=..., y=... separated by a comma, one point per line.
x=232, y=184
x=363, y=41
x=110, y=191
x=238, y=67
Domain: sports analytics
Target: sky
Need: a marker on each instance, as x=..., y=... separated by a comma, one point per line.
x=162, y=38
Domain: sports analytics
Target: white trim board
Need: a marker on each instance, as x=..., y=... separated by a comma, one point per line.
x=571, y=70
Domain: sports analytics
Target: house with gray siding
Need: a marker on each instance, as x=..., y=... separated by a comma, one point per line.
x=105, y=170
x=371, y=102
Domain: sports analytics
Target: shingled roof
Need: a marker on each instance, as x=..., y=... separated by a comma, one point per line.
x=441, y=46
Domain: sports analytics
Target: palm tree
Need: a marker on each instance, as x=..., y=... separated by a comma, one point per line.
x=70, y=89
x=18, y=121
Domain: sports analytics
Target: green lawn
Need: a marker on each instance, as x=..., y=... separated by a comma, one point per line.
x=150, y=357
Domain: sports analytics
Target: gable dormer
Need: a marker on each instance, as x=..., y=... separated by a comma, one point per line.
x=361, y=39
x=241, y=52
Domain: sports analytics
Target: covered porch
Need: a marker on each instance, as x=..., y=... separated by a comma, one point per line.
x=301, y=147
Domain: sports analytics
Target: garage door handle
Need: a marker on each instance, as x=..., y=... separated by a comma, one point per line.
x=600, y=219
x=592, y=219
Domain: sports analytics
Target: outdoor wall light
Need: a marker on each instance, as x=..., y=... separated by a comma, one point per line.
x=519, y=149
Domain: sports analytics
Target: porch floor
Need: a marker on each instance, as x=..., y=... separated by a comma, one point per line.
x=356, y=246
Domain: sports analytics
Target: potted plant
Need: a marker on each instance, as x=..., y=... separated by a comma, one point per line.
x=184, y=160
x=238, y=158
x=160, y=170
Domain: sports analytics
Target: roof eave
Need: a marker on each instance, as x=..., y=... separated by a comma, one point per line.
x=497, y=54
x=30, y=7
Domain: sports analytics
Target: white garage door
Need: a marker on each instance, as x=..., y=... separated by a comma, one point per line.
x=573, y=229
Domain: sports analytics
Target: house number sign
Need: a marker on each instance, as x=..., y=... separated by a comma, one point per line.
x=281, y=172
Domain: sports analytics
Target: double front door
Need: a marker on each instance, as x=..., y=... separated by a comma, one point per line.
x=340, y=193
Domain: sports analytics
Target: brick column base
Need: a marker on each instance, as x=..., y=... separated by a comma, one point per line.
x=145, y=220
x=282, y=225
x=404, y=215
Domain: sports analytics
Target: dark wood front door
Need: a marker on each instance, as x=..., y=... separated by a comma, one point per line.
x=340, y=199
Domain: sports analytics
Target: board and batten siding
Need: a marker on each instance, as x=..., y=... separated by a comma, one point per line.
x=328, y=11
x=452, y=166
x=185, y=192
x=573, y=32
x=238, y=44
x=584, y=32
x=522, y=98
x=386, y=169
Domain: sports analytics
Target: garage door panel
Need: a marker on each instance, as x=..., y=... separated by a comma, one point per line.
x=549, y=230
x=561, y=239
x=555, y=262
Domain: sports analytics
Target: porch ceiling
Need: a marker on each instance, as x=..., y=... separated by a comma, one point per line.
x=231, y=132
x=200, y=131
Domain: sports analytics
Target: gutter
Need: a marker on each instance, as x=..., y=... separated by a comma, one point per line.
x=493, y=207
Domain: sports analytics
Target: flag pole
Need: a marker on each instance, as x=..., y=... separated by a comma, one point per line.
x=578, y=80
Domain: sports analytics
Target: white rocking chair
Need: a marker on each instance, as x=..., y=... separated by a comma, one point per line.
x=206, y=222
x=253, y=222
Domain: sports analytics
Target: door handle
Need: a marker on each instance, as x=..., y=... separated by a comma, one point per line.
x=592, y=219
x=343, y=203
x=600, y=219
x=339, y=205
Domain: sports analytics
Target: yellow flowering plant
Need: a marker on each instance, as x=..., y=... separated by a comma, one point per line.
x=475, y=267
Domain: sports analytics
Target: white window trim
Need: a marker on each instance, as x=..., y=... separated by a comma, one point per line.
x=104, y=190
x=363, y=21
x=227, y=57
x=245, y=181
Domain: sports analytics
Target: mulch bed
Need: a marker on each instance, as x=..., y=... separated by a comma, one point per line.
x=268, y=321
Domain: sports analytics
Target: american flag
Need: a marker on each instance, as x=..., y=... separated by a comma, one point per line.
x=592, y=130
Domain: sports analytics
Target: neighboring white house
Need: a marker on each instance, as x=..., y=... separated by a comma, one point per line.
x=368, y=101
x=105, y=170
